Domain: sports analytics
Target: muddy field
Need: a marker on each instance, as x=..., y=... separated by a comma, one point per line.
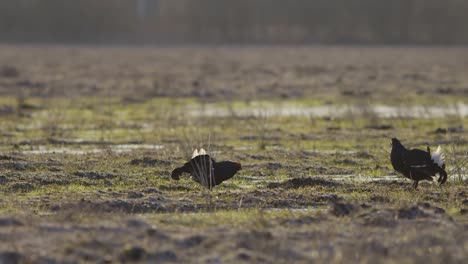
x=214, y=73
x=90, y=136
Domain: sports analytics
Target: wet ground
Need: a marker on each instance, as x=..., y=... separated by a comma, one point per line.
x=87, y=179
x=260, y=109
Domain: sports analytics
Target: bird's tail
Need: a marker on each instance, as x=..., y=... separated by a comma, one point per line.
x=442, y=174
x=175, y=175
x=438, y=157
x=439, y=164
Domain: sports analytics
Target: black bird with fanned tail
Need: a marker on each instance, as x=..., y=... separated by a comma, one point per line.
x=206, y=171
x=416, y=164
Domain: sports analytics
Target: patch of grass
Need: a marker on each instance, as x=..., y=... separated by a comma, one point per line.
x=91, y=176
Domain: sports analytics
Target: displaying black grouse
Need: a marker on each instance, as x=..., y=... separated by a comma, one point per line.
x=206, y=171
x=416, y=164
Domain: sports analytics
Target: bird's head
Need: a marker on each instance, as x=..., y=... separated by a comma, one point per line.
x=397, y=144
x=237, y=166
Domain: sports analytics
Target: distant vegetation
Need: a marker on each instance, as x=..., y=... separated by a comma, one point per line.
x=240, y=21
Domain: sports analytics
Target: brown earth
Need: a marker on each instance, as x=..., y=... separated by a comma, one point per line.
x=212, y=73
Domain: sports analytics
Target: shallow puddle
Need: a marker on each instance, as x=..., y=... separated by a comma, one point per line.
x=119, y=148
x=364, y=178
x=308, y=209
x=383, y=111
x=360, y=178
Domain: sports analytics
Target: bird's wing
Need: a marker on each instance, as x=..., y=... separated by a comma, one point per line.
x=421, y=170
x=416, y=157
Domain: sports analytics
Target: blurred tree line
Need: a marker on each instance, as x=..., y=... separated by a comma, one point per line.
x=235, y=21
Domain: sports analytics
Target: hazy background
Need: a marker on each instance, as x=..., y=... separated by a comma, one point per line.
x=441, y=22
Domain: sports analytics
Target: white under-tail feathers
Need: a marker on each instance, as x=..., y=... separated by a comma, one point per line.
x=438, y=157
x=197, y=152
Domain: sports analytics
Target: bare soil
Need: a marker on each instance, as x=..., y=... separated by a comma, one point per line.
x=90, y=136
x=214, y=73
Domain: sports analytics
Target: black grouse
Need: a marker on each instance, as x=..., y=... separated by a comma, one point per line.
x=206, y=171
x=416, y=164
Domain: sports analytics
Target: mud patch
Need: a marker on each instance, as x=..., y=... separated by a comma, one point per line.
x=11, y=257
x=465, y=202
x=163, y=256
x=380, y=127
x=379, y=218
x=21, y=187
x=94, y=175
x=191, y=241
x=344, y=209
x=10, y=158
x=332, y=170
x=133, y=254
x=114, y=206
x=380, y=199
x=422, y=210
x=173, y=188
x=146, y=161
x=3, y=179
x=19, y=166
x=9, y=71
x=388, y=216
x=303, y=220
x=9, y=221
x=276, y=199
x=304, y=182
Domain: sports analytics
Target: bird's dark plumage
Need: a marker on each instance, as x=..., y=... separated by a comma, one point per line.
x=416, y=164
x=206, y=171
